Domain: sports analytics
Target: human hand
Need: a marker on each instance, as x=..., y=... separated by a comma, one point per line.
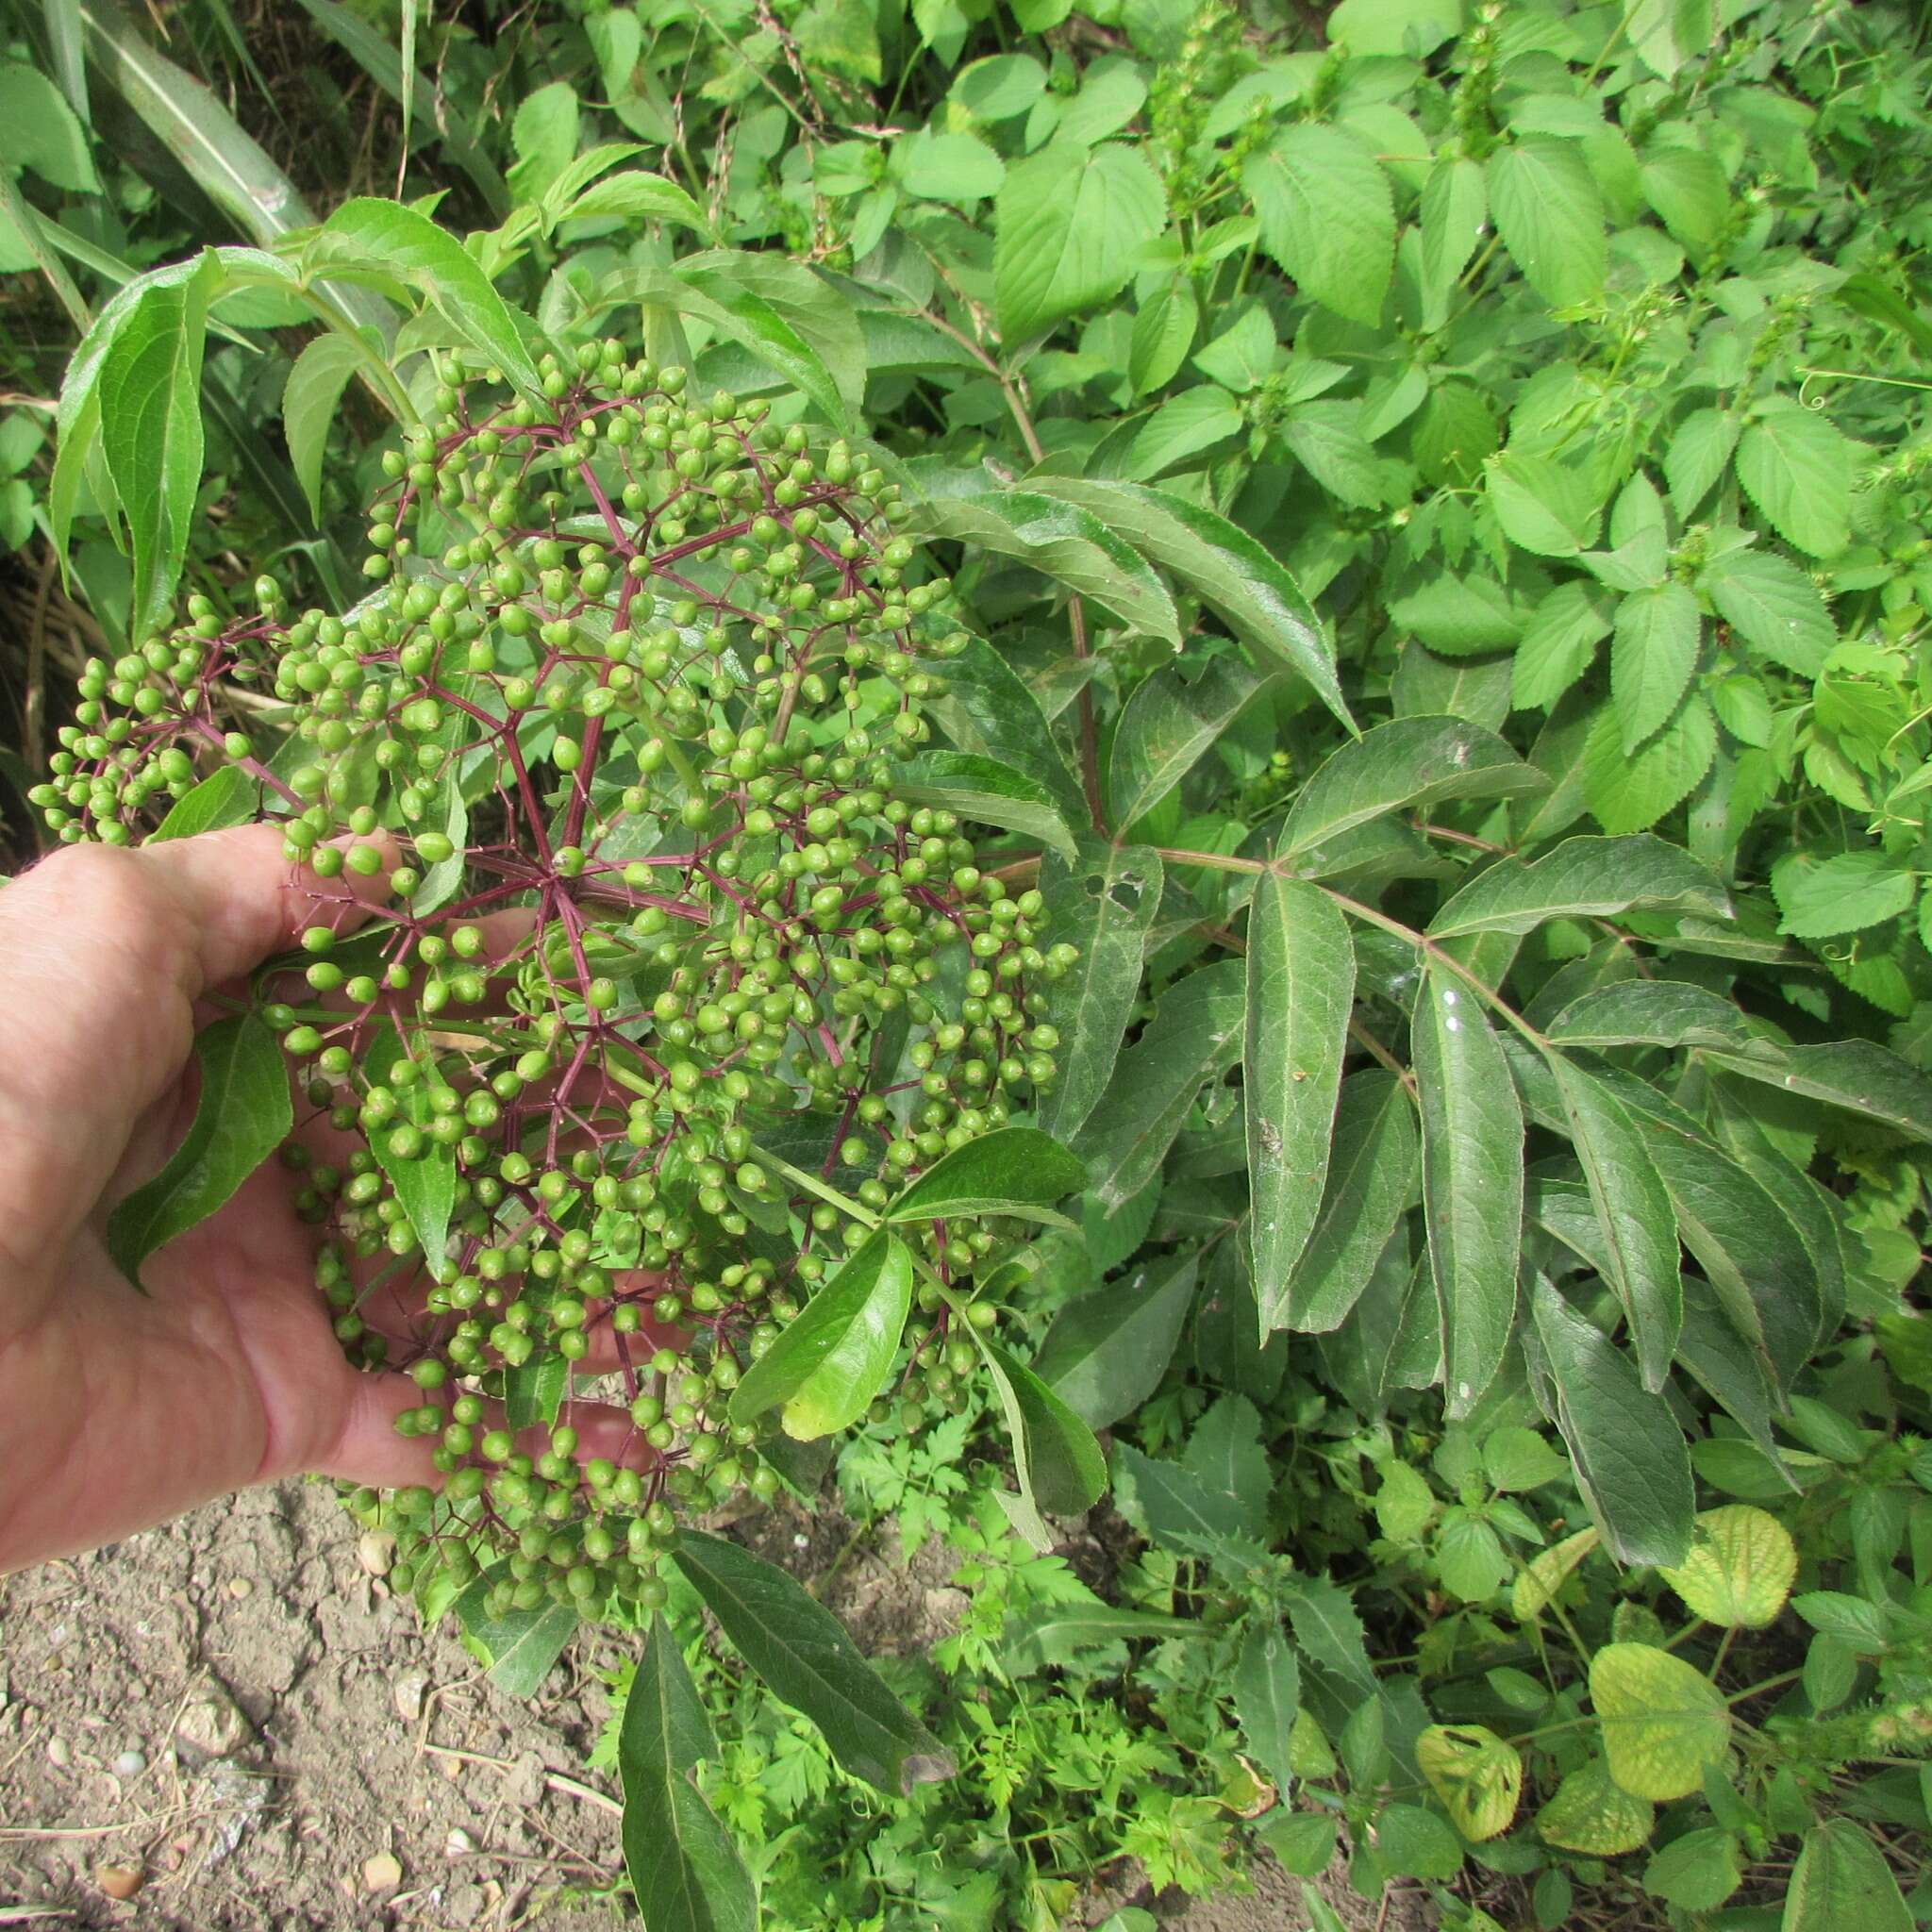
x=119, y=1409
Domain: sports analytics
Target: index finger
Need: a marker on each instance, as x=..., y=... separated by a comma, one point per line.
x=102, y=953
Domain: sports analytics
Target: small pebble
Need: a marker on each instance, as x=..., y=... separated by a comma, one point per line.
x=408, y=1691
x=375, y=1550
x=240, y=1587
x=130, y=1764
x=459, y=1844
x=120, y=1881
x=59, y=1752
x=383, y=1872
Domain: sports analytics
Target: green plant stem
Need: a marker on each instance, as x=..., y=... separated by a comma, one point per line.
x=813, y=1185
x=1757, y=1689
x=1076, y=613
x=1213, y=861
x=1448, y=961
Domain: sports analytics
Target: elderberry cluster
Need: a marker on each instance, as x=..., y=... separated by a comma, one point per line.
x=666, y=975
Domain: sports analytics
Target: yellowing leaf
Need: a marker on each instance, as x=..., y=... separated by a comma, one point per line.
x=1477, y=1775
x=1740, y=1570
x=1546, y=1575
x=1587, y=1813
x=1663, y=1721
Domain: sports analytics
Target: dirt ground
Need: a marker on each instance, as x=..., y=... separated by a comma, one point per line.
x=234, y=1719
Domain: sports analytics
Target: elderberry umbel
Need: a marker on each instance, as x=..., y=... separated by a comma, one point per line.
x=670, y=968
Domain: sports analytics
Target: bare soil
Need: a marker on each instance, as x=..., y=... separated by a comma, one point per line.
x=232, y=1717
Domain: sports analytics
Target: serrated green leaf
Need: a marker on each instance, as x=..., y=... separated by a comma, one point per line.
x=367, y=237
x=1857, y=1074
x=1544, y=506
x=1699, y=455
x=1267, y=1696
x=1454, y=205
x=1688, y=189
x=1326, y=216
x=988, y=791
x=1194, y=1037
x=1774, y=607
x=226, y=797
x=1060, y=1465
x=1408, y=762
x=315, y=385
x=1012, y=1171
x=1224, y=566
x=1797, y=469
x=1841, y=1880
x=1651, y=1012
x=519, y=1646
x=1635, y=1212
x=1652, y=657
x=1551, y=218
x=989, y=710
x=1063, y=541
x=150, y=423
x=1460, y=616
x=1183, y=427
x=633, y=195
x=1631, y=793
x=1846, y=891
x=1069, y=222
x=1163, y=333
x=1371, y=1179
x=1558, y=644
x=1106, y=1352
x=1583, y=878
x=1057, y=1633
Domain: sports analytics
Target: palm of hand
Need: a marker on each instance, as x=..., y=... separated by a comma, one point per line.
x=119, y=1409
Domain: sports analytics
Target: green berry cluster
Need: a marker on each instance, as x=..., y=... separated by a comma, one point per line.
x=665, y=976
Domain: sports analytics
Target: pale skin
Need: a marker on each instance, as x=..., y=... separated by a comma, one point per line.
x=118, y=1409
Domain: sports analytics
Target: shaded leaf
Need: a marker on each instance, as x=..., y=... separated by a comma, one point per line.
x=682, y=1863
x=1629, y=1455
x=1106, y=1352
x=804, y=1654
x=1300, y=996
x=1104, y=903
x=1472, y=1180
x=244, y=1114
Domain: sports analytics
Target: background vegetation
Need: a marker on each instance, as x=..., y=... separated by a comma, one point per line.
x=1437, y=495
